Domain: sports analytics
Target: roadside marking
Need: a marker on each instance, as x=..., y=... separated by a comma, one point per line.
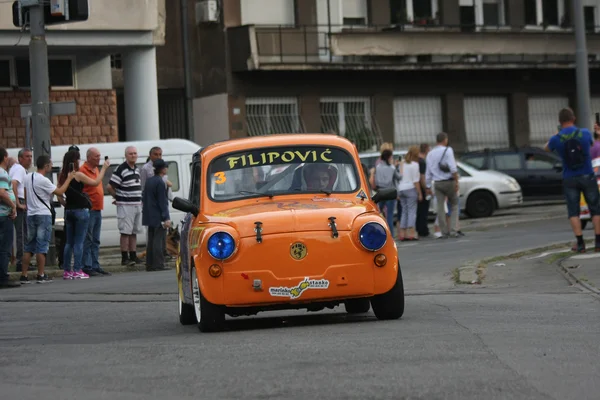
x=547, y=253
x=585, y=256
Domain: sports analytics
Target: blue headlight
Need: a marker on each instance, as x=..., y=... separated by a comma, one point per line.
x=372, y=236
x=221, y=245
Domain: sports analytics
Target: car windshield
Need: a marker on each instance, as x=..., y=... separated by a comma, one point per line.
x=281, y=171
x=471, y=163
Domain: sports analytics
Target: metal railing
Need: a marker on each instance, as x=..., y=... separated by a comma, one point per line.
x=308, y=44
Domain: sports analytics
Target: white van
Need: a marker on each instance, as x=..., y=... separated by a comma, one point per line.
x=177, y=153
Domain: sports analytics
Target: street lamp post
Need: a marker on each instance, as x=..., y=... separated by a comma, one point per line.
x=582, y=73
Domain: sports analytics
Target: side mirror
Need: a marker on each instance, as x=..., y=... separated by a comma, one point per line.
x=185, y=206
x=558, y=166
x=385, y=195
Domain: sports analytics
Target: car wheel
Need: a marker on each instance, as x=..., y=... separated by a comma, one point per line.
x=210, y=317
x=390, y=305
x=187, y=314
x=357, y=306
x=583, y=223
x=480, y=204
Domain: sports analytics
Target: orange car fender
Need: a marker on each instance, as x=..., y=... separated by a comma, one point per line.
x=384, y=277
x=211, y=288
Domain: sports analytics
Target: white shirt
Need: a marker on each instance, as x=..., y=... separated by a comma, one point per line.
x=410, y=176
x=18, y=173
x=434, y=173
x=44, y=188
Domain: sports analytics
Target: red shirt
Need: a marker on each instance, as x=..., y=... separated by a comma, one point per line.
x=96, y=193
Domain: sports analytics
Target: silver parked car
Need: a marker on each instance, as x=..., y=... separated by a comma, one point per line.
x=481, y=192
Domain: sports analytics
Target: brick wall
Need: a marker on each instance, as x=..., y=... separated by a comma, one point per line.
x=95, y=121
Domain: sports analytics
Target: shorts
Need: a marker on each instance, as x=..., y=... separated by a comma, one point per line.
x=574, y=187
x=129, y=219
x=39, y=231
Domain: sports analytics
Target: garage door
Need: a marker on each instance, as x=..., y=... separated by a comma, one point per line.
x=416, y=120
x=486, y=122
x=543, y=118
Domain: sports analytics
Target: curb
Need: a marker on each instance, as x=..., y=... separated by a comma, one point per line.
x=473, y=272
x=571, y=277
x=54, y=272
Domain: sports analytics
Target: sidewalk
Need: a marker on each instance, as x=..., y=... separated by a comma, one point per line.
x=110, y=260
x=584, y=269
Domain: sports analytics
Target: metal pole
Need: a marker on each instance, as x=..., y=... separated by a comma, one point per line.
x=189, y=99
x=329, y=29
x=582, y=73
x=27, y=133
x=38, y=66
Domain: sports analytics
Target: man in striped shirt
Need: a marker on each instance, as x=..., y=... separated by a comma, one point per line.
x=126, y=187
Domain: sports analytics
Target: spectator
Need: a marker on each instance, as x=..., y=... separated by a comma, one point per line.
x=126, y=188
x=442, y=170
x=384, y=146
x=91, y=245
x=18, y=174
x=423, y=206
x=38, y=193
x=573, y=145
x=386, y=176
x=147, y=170
x=8, y=213
x=77, y=213
x=595, y=151
x=409, y=191
x=156, y=217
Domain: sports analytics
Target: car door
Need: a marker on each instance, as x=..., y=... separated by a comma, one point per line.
x=188, y=219
x=465, y=185
x=542, y=176
x=511, y=163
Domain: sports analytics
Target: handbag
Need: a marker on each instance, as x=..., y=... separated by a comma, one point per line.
x=49, y=207
x=444, y=167
x=84, y=196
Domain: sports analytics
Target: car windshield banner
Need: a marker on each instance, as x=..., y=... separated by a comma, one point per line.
x=281, y=155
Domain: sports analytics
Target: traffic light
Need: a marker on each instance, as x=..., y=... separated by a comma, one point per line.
x=56, y=12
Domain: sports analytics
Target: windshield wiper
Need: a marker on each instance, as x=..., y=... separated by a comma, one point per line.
x=269, y=195
x=327, y=192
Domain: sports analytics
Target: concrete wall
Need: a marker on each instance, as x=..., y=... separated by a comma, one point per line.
x=211, y=121
x=93, y=72
x=96, y=119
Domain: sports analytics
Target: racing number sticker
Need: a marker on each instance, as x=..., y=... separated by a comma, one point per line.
x=220, y=178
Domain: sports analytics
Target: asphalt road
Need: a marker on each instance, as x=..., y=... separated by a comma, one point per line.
x=525, y=335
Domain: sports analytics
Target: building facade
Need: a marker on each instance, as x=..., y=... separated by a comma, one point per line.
x=491, y=73
x=79, y=63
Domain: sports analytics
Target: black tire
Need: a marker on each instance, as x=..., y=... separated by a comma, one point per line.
x=210, y=317
x=390, y=305
x=187, y=315
x=481, y=204
x=584, y=223
x=357, y=306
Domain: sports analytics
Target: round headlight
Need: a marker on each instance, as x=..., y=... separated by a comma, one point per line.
x=372, y=236
x=221, y=245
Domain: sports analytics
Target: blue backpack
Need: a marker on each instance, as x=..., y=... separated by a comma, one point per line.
x=574, y=155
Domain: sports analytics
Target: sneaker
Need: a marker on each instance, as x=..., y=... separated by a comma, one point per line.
x=80, y=275
x=24, y=280
x=68, y=275
x=125, y=262
x=100, y=271
x=459, y=233
x=90, y=271
x=43, y=278
x=438, y=234
x=578, y=248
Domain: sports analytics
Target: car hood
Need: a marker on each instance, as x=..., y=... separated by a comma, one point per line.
x=292, y=216
x=492, y=175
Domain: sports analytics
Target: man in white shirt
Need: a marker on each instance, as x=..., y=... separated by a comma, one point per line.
x=441, y=169
x=39, y=192
x=18, y=173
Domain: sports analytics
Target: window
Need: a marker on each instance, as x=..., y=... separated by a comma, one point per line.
x=354, y=12
x=507, y=161
x=477, y=162
x=194, y=195
x=531, y=12
x=416, y=120
x=550, y=12
x=398, y=11
x=539, y=161
x=60, y=72
x=348, y=117
x=282, y=171
x=266, y=116
x=462, y=172
x=268, y=12
x=492, y=12
x=116, y=61
x=5, y=81
x=589, y=13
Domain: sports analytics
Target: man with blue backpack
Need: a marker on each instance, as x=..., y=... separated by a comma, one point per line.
x=573, y=145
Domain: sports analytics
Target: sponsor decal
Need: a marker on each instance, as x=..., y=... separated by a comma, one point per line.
x=298, y=251
x=220, y=178
x=295, y=205
x=361, y=194
x=331, y=200
x=296, y=291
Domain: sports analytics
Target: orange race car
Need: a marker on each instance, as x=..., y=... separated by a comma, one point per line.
x=284, y=222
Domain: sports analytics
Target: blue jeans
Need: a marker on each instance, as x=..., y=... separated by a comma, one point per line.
x=577, y=185
x=91, y=246
x=6, y=244
x=76, y=226
x=39, y=233
x=389, y=213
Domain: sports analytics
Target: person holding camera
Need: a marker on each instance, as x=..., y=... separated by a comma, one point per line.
x=595, y=150
x=442, y=170
x=77, y=213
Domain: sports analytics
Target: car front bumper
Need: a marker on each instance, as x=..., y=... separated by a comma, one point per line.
x=510, y=199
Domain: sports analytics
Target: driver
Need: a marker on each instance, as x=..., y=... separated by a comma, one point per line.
x=319, y=177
